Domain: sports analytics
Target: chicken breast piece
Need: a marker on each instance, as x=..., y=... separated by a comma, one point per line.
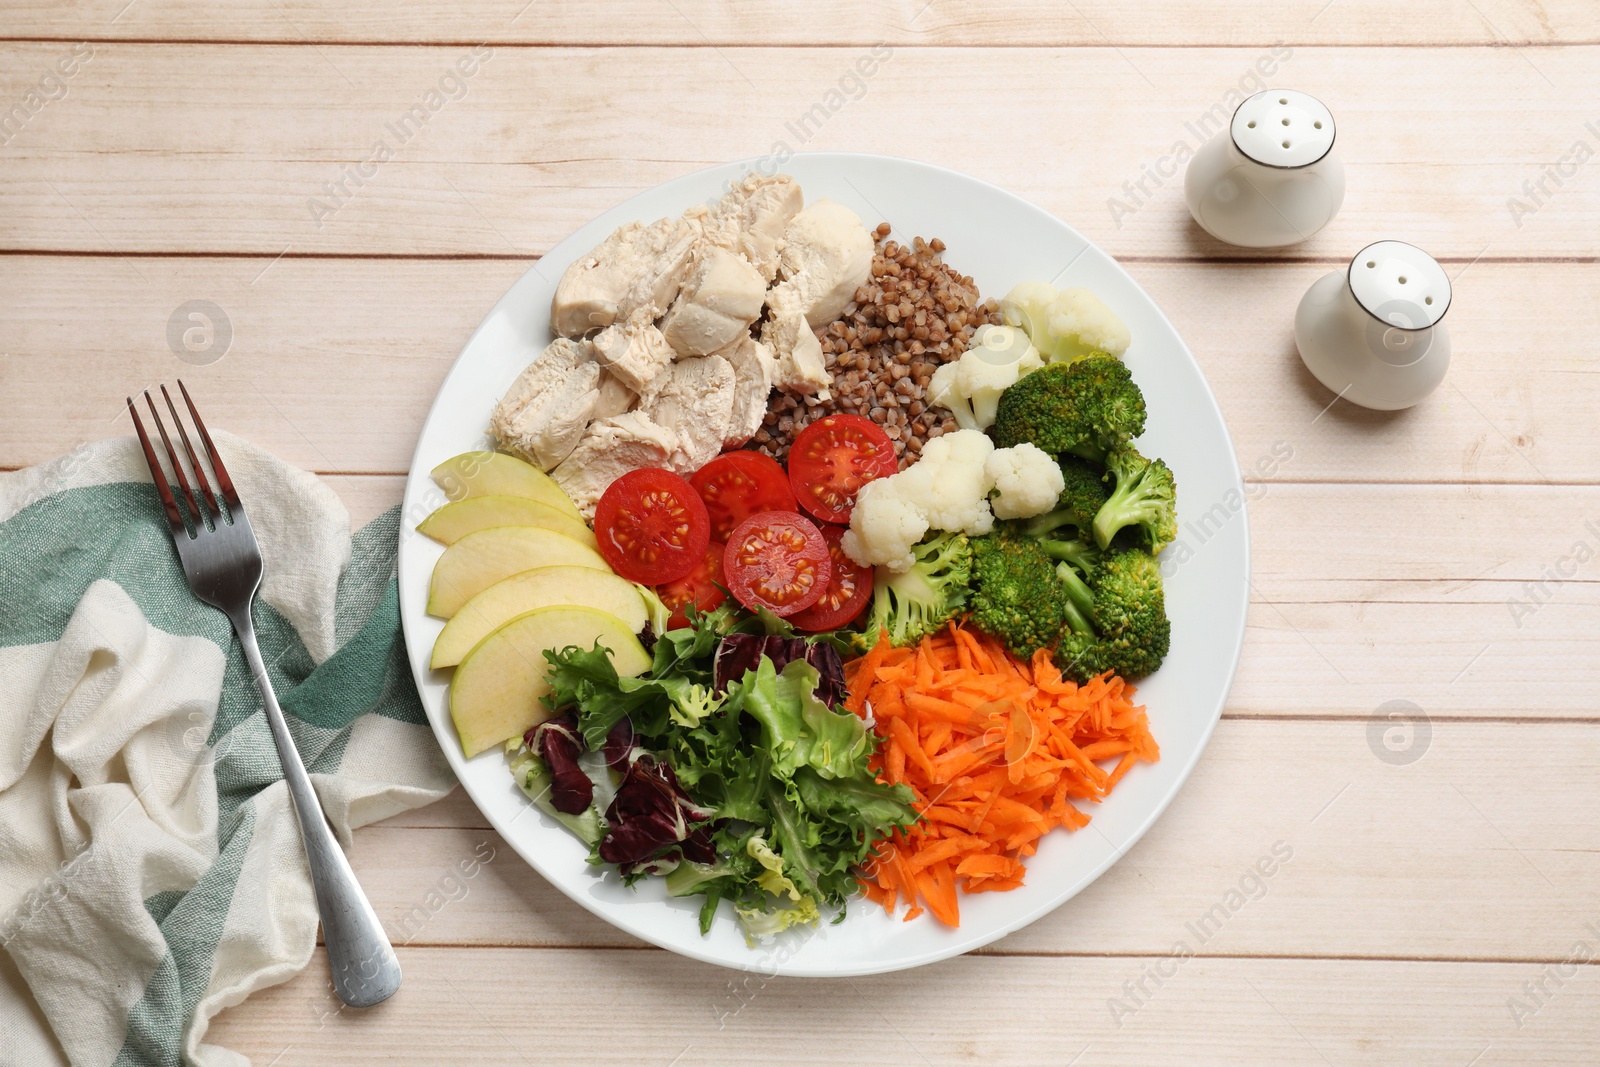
x=753, y=368
x=636, y=267
x=720, y=298
x=611, y=448
x=695, y=402
x=633, y=351
x=800, y=366
x=750, y=219
x=655, y=287
x=826, y=257
x=544, y=414
x=612, y=397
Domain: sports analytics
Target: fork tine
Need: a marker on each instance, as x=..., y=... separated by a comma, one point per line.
x=174, y=517
x=194, y=460
x=224, y=483
x=177, y=466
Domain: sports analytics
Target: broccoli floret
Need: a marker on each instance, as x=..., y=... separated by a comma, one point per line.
x=1080, y=562
x=914, y=604
x=1079, y=601
x=1016, y=596
x=1087, y=407
x=1083, y=495
x=1130, y=632
x=1081, y=554
x=1146, y=497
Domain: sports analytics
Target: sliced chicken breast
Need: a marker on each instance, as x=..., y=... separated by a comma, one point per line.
x=800, y=366
x=611, y=448
x=720, y=298
x=612, y=397
x=637, y=267
x=633, y=351
x=826, y=257
x=545, y=412
x=751, y=217
x=695, y=401
x=753, y=369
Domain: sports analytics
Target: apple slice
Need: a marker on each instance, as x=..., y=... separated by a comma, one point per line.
x=480, y=559
x=496, y=692
x=457, y=519
x=497, y=474
x=542, y=587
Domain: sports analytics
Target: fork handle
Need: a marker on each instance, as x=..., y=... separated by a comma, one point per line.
x=363, y=964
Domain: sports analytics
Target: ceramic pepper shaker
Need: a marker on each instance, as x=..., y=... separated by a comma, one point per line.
x=1275, y=180
x=1371, y=332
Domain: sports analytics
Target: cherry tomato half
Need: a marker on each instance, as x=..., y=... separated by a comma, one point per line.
x=833, y=458
x=848, y=594
x=777, y=560
x=651, y=526
x=700, y=587
x=737, y=485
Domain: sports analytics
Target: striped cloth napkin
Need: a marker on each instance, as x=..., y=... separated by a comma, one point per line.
x=151, y=872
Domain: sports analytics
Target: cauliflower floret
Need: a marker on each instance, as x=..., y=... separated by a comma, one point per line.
x=1027, y=306
x=883, y=527
x=1065, y=325
x=971, y=386
x=947, y=489
x=1005, y=345
x=1027, y=481
x=949, y=484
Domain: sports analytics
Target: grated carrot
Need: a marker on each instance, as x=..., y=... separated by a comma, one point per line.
x=994, y=749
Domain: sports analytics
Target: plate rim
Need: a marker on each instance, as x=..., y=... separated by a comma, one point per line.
x=419, y=474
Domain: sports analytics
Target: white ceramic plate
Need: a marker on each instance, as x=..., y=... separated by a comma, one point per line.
x=999, y=240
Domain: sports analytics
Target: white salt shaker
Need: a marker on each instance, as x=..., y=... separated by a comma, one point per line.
x=1275, y=180
x=1371, y=332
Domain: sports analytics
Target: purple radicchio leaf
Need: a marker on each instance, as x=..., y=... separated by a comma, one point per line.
x=697, y=847
x=831, y=688
x=650, y=816
x=659, y=867
x=619, y=744
x=739, y=653
x=558, y=743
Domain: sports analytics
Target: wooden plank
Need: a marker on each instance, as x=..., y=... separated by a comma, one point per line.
x=366, y=497
x=229, y=148
x=330, y=371
x=696, y=22
x=1468, y=871
x=511, y=1006
x=1511, y=409
x=314, y=340
x=1362, y=595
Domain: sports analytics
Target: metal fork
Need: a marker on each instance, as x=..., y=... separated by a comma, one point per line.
x=223, y=564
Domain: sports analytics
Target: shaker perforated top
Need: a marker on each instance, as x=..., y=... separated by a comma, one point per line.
x=1283, y=128
x=1400, y=285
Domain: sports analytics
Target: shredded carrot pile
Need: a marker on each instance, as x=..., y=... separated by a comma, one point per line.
x=995, y=750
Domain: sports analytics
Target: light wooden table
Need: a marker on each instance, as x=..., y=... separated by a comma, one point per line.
x=1429, y=909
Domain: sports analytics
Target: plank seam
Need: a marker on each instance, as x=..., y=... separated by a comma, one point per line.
x=1101, y=44
x=429, y=257
x=1310, y=957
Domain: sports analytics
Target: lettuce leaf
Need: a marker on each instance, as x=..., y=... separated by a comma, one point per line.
x=799, y=729
x=765, y=922
x=772, y=879
x=533, y=778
